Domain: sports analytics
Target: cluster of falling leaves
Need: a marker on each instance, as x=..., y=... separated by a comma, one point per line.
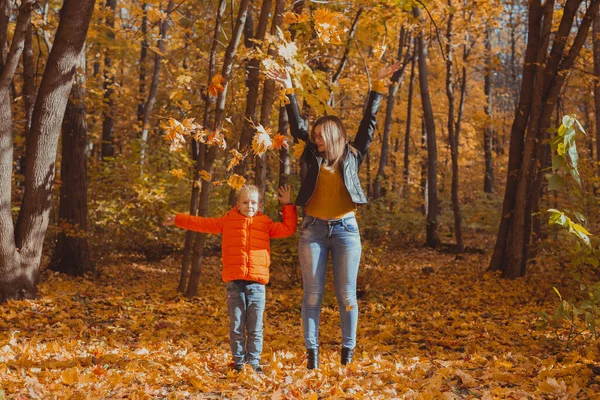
x=429, y=327
x=176, y=133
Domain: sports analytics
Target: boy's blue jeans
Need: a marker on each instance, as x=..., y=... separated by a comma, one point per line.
x=246, y=305
x=317, y=238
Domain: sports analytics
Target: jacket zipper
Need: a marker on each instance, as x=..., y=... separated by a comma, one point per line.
x=247, y=266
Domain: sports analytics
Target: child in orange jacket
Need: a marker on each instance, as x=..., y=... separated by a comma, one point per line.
x=246, y=259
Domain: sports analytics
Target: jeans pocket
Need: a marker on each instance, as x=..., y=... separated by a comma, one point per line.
x=307, y=222
x=350, y=225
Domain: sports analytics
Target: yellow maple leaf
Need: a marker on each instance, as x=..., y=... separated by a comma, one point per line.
x=293, y=18
x=236, y=181
x=216, y=85
x=216, y=138
x=177, y=173
x=236, y=157
x=70, y=376
x=298, y=148
x=279, y=141
x=262, y=141
x=204, y=175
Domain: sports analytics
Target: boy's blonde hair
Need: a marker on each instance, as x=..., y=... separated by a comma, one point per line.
x=246, y=190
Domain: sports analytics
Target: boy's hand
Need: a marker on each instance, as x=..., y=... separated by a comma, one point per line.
x=169, y=221
x=284, y=194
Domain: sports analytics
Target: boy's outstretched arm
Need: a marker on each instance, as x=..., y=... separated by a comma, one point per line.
x=290, y=215
x=194, y=223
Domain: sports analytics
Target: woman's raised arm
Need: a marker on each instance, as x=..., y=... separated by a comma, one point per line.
x=296, y=122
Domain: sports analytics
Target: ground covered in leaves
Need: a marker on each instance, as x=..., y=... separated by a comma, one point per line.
x=431, y=326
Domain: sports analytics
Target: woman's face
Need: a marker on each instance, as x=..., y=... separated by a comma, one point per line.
x=319, y=141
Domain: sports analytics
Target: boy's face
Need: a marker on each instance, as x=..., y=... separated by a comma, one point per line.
x=248, y=204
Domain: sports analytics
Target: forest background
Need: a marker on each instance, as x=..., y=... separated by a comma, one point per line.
x=480, y=267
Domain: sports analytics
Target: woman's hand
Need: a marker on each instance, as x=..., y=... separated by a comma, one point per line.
x=284, y=194
x=388, y=71
x=169, y=221
x=281, y=76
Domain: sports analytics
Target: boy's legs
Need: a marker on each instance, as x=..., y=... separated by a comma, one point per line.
x=255, y=308
x=236, y=305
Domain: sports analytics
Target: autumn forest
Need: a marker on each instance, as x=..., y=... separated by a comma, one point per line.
x=480, y=268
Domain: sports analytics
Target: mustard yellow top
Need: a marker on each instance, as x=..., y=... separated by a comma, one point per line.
x=331, y=199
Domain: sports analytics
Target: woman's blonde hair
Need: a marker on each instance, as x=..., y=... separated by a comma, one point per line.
x=246, y=190
x=334, y=135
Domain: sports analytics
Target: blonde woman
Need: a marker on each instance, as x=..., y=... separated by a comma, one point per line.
x=330, y=193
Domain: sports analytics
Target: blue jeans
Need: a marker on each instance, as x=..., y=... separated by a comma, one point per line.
x=246, y=305
x=317, y=238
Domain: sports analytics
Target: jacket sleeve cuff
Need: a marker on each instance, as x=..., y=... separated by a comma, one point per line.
x=182, y=221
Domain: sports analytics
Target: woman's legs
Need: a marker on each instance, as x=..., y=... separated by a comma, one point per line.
x=312, y=254
x=345, y=256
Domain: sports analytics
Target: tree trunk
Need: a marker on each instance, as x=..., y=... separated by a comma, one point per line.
x=260, y=171
x=453, y=129
x=208, y=156
x=252, y=83
x=393, y=89
x=432, y=206
x=164, y=27
x=21, y=248
x=4, y=18
x=28, y=91
x=284, y=152
x=596, y=49
x=197, y=151
x=108, y=124
x=406, y=170
x=544, y=79
x=488, y=132
x=424, y=173
x=143, y=56
x=71, y=255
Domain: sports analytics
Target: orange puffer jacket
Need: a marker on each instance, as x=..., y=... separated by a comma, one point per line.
x=246, y=243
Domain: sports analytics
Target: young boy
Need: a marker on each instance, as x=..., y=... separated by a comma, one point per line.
x=246, y=259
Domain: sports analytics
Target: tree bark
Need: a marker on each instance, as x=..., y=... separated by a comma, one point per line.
x=108, y=124
x=208, y=156
x=143, y=56
x=164, y=27
x=21, y=248
x=197, y=150
x=252, y=83
x=488, y=131
x=260, y=170
x=4, y=18
x=432, y=206
x=71, y=255
x=406, y=170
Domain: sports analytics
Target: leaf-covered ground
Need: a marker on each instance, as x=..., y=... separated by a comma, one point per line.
x=431, y=326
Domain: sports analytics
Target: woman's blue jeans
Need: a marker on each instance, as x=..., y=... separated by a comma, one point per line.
x=246, y=305
x=317, y=239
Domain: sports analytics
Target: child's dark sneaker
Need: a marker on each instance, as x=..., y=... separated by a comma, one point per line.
x=238, y=367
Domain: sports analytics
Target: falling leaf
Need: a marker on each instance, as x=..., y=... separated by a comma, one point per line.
x=298, y=149
x=236, y=157
x=293, y=18
x=204, y=175
x=379, y=50
x=236, y=181
x=326, y=25
x=262, y=141
x=283, y=96
x=279, y=141
x=216, y=85
x=177, y=173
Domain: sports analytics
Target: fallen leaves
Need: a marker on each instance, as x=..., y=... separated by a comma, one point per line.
x=451, y=333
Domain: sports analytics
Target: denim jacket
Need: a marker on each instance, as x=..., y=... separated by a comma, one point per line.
x=352, y=159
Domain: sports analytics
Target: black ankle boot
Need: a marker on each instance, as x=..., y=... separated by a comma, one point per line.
x=313, y=358
x=347, y=355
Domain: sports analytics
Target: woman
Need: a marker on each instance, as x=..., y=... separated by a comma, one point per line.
x=330, y=192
